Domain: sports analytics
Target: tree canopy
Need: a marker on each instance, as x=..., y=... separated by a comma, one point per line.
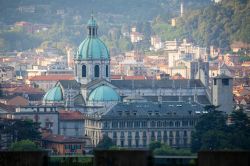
x=105, y=143
x=22, y=130
x=24, y=145
x=215, y=132
x=161, y=149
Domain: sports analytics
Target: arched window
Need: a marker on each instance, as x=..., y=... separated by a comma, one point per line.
x=97, y=71
x=84, y=71
x=107, y=70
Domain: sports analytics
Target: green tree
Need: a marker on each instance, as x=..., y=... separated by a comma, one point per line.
x=154, y=145
x=213, y=132
x=105, y=143
x=206, y=128
x=22, y=130
x=24, y=145
x=240, y=128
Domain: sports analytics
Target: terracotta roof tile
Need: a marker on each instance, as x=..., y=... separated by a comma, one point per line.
x=52, y=78
x=134, y=77
x=61, y=139
x=70, y=115
x=26, y=89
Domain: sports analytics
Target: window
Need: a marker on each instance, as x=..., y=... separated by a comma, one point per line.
x=122, y=143
x=107, y=70
x=177, y=134
x=129, y=134
x=129, y=142
x=84, y=72
x=159, y=124
x=97, y=71
x=66, y=146
x=114, y=124
x=215, y=82
x=185, y=133
x=177, y=124
x=225, y=82
x=122, y=134
x=159, y=136
x=130, y=124
x=152, y=136
x=136, y=142
x=185, y=141
x=165, y=136
x=78, y=146
x=137, y=134
x=144, y=142
x=122, y=124
x=137, y=124
x=191, y=123
x=170, y=141
x=184, y=123
x=152, y=124
x=171, y=134
x=106, y=124
x=114, y=135
x=144, y=123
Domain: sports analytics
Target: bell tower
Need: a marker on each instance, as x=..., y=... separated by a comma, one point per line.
x=222, y=93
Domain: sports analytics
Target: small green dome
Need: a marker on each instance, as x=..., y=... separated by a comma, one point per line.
x=92, y=48
x=54, y=94
x=104, y=93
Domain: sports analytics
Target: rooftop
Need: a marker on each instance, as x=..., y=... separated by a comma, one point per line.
x=52, y=77
x=62, y=139
x=70, y=115
x=154, y=109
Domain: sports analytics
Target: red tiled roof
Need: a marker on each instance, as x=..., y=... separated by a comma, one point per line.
x=116, y=77
x=177, y=77
x=61, y=139
x=134, y=78
x=52, y=78
x=70, y=115
x=26, y=89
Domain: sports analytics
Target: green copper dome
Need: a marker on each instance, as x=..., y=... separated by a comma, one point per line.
x=54, y=94
x=92, y=47
x=104, y=93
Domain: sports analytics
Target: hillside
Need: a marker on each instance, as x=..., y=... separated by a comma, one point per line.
x=218, y=24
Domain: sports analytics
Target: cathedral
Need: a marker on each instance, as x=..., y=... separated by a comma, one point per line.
x=131, y=112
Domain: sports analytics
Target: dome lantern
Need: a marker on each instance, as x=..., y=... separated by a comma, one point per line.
x=92, y=27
